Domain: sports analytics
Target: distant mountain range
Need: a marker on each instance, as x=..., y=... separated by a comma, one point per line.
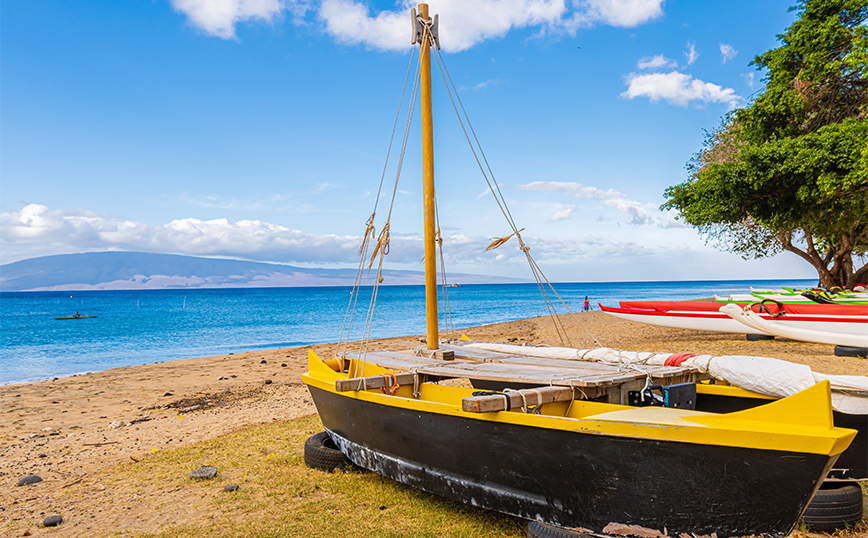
x=141, y=270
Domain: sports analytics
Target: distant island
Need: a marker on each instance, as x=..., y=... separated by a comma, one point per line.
x=142, y=270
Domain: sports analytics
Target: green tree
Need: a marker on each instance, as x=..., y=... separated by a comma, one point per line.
x=790, y=171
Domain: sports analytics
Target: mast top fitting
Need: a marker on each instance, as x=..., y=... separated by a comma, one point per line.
x=420, y=25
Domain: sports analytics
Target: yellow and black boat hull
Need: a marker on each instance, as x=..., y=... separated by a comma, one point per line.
x=749, y=472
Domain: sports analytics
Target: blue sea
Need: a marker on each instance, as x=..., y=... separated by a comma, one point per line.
x=135, y=327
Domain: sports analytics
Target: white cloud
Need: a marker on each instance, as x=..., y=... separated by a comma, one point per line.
x=691, y=53
x=482, y=85
x=678, y=89
x=220, y=202
x=219, y=17
x=638, y=212
x=655, y=62
x=563, y=214
x=727, y=52
x=623, y=13
x=36, y=230
x=549, y=252
x=749, y=80
x=572, y=189
x=469, y=21
x=465, y=23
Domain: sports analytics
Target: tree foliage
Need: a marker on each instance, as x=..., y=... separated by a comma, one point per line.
x=790, y=171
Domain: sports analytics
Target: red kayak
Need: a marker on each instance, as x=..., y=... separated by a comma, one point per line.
x=769, y=307
x=705, y=316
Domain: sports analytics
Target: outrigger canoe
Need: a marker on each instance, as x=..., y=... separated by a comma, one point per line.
x=77, y=317
x=707, y=316
x=805, y=297
x=834, y=333
x=581, y=463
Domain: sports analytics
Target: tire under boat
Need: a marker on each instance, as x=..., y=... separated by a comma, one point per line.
x=752, y=472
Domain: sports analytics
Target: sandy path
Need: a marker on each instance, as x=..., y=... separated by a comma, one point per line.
x=72, y=431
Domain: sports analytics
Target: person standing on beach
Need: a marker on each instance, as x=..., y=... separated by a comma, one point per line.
x=586, y=305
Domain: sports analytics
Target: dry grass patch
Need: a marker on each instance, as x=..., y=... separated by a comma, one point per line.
x=280, y=496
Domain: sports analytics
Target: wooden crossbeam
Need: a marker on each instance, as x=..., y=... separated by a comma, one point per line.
x=519, y=398
x=373, y=382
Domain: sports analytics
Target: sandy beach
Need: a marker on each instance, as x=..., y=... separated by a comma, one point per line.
x=74, y=431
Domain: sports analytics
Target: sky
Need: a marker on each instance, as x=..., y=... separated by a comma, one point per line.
x=259, y=130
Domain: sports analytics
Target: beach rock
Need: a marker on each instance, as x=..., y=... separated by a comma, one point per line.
x=268, y=382
x=263, y=361
x=204, y=472
x=284, y=365
x=52, y=521
x=26, y=532
x=29, y=479
x=230, y=487
x=168, y=394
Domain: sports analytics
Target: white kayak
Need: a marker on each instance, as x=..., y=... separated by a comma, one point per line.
x=836, y=334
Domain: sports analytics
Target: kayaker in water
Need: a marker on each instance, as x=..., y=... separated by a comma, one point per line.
x=76, y=315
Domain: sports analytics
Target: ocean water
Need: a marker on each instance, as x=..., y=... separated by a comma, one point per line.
x=145, y=326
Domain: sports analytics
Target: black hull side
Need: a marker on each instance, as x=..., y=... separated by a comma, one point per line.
x=854, y=459
x=574, y=479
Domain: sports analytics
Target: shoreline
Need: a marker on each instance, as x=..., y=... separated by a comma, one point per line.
x=76, y=429
x=132, y=331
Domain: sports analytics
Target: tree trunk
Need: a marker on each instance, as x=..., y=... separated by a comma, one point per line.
x=810, y=255
x=842, y=273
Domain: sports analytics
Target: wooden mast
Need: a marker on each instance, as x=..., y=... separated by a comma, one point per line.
x=425, y=40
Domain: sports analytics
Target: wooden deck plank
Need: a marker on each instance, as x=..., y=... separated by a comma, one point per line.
x=469, y=353
x=528, y=374
x=396, y=359
x=502, y=367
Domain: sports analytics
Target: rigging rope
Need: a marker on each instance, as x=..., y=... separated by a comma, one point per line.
x=383, y=241
x=382, y=247
x=370, y=231
x=447, y=309
x=494, y=187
